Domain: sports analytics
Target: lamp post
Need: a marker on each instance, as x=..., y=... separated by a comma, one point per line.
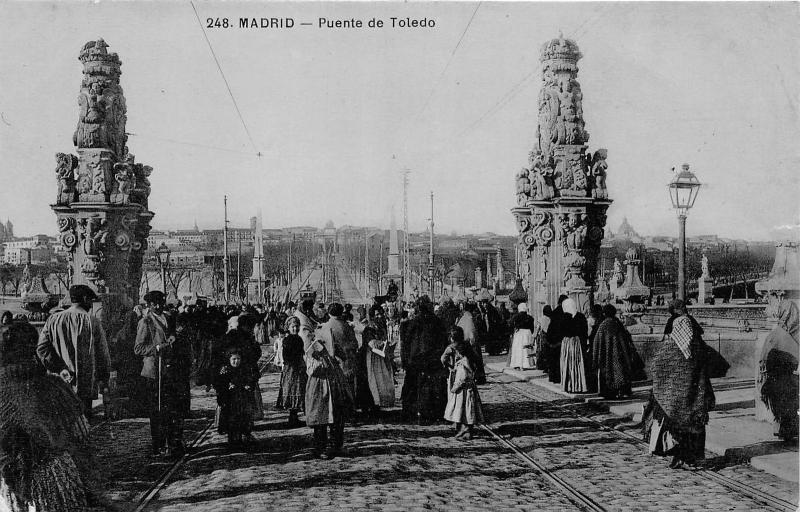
x=683, y=191
x=162, y=254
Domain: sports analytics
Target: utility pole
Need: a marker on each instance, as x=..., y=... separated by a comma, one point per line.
x=366, y=263
x=239, y=271
x=430, y=258
x=225, y=251
x=380, y=266
x=406, y=262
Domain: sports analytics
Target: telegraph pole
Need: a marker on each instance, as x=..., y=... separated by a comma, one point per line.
x=430, y=258
x=366, y=263
x=225, y=251
x=406, y=262
x=239, y=270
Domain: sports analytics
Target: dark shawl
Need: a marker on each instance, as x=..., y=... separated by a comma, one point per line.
x=614, y=355
x=681, y=388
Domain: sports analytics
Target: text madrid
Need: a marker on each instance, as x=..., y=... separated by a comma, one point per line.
x=392, y=22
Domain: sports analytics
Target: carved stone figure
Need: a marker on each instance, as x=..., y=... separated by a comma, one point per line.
x=123, y=174
x=598, y=174
x=542, y=177
x=65, y=174
x=101, y=117
x=704, y=265
x=523, y=187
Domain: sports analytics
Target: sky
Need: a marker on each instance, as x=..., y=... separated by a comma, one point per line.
x=337, y=114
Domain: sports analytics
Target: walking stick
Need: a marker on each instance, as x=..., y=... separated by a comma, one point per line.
x=159, y=384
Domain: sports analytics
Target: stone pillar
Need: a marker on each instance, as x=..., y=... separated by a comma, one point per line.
x=782, y=284
x=561, y=197
x=102, y=202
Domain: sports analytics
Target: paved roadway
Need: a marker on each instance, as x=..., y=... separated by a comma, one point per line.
x=393, y=466
x=398, y=467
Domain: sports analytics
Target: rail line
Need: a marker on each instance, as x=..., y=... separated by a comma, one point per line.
x=589, y=503
x=584, y=501
x=159, y=484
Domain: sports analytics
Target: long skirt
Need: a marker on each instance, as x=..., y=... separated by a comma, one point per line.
x=464, y=407
x=523, y=351
x=666, y=439
x=573, y=374
x=292, y=391
x=256, y=403
x=380, y=379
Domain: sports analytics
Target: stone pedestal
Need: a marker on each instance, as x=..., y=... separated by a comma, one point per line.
x=633, y=294
x=705, y=290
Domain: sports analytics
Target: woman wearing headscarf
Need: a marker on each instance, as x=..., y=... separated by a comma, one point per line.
x=42, y=431
x=377, y=355
x=594, y=320
x=778, y=364
x=523, y=352
x=676, y=415
x=615, y=362
x=575, y=331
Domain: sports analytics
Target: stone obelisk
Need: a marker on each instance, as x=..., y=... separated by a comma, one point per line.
x=256, y=284
x=561, y=196
x=102, y=202
x=393, y=267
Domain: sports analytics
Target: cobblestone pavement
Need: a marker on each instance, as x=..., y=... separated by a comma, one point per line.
x=392, y=466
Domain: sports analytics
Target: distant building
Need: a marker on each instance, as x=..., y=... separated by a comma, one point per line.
x=39, y=248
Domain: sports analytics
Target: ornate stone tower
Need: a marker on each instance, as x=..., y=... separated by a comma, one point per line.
x=101, y=205
x=561, y=197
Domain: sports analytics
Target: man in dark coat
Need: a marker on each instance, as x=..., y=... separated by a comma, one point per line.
x=165, y=364
x=424, y=391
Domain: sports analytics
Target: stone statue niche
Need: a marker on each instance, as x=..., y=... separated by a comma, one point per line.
x=561, y=196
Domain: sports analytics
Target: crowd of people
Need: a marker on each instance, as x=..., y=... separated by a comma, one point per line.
x=338, y=365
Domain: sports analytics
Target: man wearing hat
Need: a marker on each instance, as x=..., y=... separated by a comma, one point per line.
x=156, y=342
x=73, y=344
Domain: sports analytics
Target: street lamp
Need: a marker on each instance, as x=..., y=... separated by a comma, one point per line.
x=683, y=191
x=162, y=254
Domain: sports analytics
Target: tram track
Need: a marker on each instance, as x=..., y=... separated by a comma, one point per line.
x=585, y=501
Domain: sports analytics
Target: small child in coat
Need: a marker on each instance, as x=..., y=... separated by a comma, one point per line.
x=463, y=401
x=234, y=396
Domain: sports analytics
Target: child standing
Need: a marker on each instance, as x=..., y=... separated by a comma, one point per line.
x=463, y=401
x=292, y=392
x=236, y=387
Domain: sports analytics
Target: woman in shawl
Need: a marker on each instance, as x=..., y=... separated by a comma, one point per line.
x=378, y=354
x=463, y=400
x=523, y=350
x=594, y=320
x=575, y=331
x=778, y=364
x=615, y=362
x=42, y=431
x=675, y=418
x=328, y=397
x=292, y=392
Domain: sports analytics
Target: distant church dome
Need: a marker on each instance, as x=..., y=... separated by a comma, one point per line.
x=626, y=230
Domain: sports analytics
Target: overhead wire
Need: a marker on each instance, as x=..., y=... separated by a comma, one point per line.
x=442, y=74
x=193, y=144
x=227, y=85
